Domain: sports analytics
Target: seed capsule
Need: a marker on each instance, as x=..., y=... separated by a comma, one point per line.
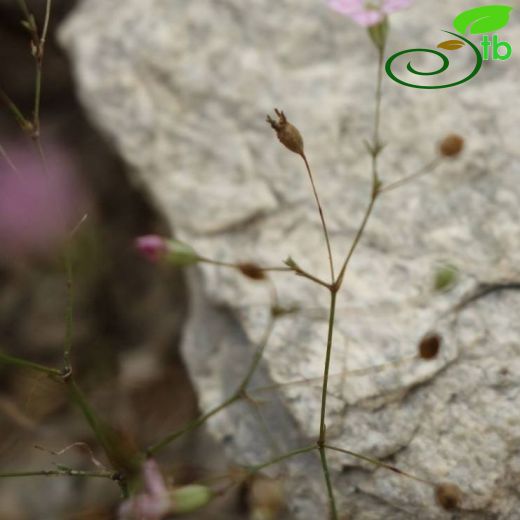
x=287, y=133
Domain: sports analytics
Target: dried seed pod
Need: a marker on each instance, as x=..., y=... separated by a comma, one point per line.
x=287, y=133
x=251, y=270
x=451, y=145
x=448, y=496
x=429, y=346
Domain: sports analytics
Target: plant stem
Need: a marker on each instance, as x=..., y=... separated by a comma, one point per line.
x=322, y=217
x=281, y=458
x=378, y=463
x=69, y=315
x=240, y=392
x=330, y=491
x=192, y=425
x=61, y=473
x=15, y=111
x=427, y=168
x=7, y=159
x=330, y=333
x=358, y=236
x=22, y=363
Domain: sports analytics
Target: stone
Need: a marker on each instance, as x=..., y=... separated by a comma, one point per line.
x=182, y=90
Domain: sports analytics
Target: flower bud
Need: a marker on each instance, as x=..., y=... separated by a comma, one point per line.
x=155, y=248
x=451, y=145
x=152, y=247
x=179, y=253
x=189, y=498
x=287, y=133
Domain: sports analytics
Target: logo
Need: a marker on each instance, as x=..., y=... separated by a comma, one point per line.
x=478, y=21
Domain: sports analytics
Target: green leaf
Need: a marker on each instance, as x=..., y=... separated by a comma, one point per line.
x=488, y=18
x=451, y=45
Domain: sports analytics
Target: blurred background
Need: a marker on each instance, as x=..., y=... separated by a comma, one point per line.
x=128, y=313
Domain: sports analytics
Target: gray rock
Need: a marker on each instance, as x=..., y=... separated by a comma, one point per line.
x=182, y=89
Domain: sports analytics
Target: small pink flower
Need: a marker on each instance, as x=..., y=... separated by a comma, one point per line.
x=368, y=12
x=152, y=504
x=152, y=247
x=38, y=209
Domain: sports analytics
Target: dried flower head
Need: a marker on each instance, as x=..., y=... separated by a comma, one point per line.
x=451, y=145
x=368, y=13
x=287, y=133
x=429, y=346
x=448, y=496
x=251, y=270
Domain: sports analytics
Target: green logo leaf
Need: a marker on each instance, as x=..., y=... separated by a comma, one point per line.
x=488, y=18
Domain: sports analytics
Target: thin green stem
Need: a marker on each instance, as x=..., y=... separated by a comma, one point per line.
x=235, y=265
x=330, y=333
x=427, y=168
x=322, y=218
x=7, y=159
x=281, y=458
x=378, y=463
x=15, y=111
x=304, y=274
x=25, y=9
x=69, y=314
x=239, y=394
x=375, y=151
x=23, y=363
x=358, y=236
x=192, y=425
x=328, y=483
x=61, y=473
x=39, y=53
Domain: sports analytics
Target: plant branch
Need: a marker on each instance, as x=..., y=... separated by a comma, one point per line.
x=281, y=458
x=328, y=483
x=427, y=168
x=62, y=473
x=322, y=217
x=379, y=463
x=23, y=363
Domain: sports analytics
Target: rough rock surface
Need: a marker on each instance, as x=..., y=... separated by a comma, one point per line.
x=182, y=88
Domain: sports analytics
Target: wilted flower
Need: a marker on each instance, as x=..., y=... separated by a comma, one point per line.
x=368, y=12
x=38, y=210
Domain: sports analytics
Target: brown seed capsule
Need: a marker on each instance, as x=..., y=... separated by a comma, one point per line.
x=287, y=133
x=251, y=270
x=451, y=145
x=429, y=346
x=448, y=496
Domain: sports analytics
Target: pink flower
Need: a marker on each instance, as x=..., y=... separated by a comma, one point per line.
x=368, y=12
x=154, y=503
x=38, y=210
x=152, y=247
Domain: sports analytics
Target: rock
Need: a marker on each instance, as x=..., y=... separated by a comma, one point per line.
x=182, y=89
